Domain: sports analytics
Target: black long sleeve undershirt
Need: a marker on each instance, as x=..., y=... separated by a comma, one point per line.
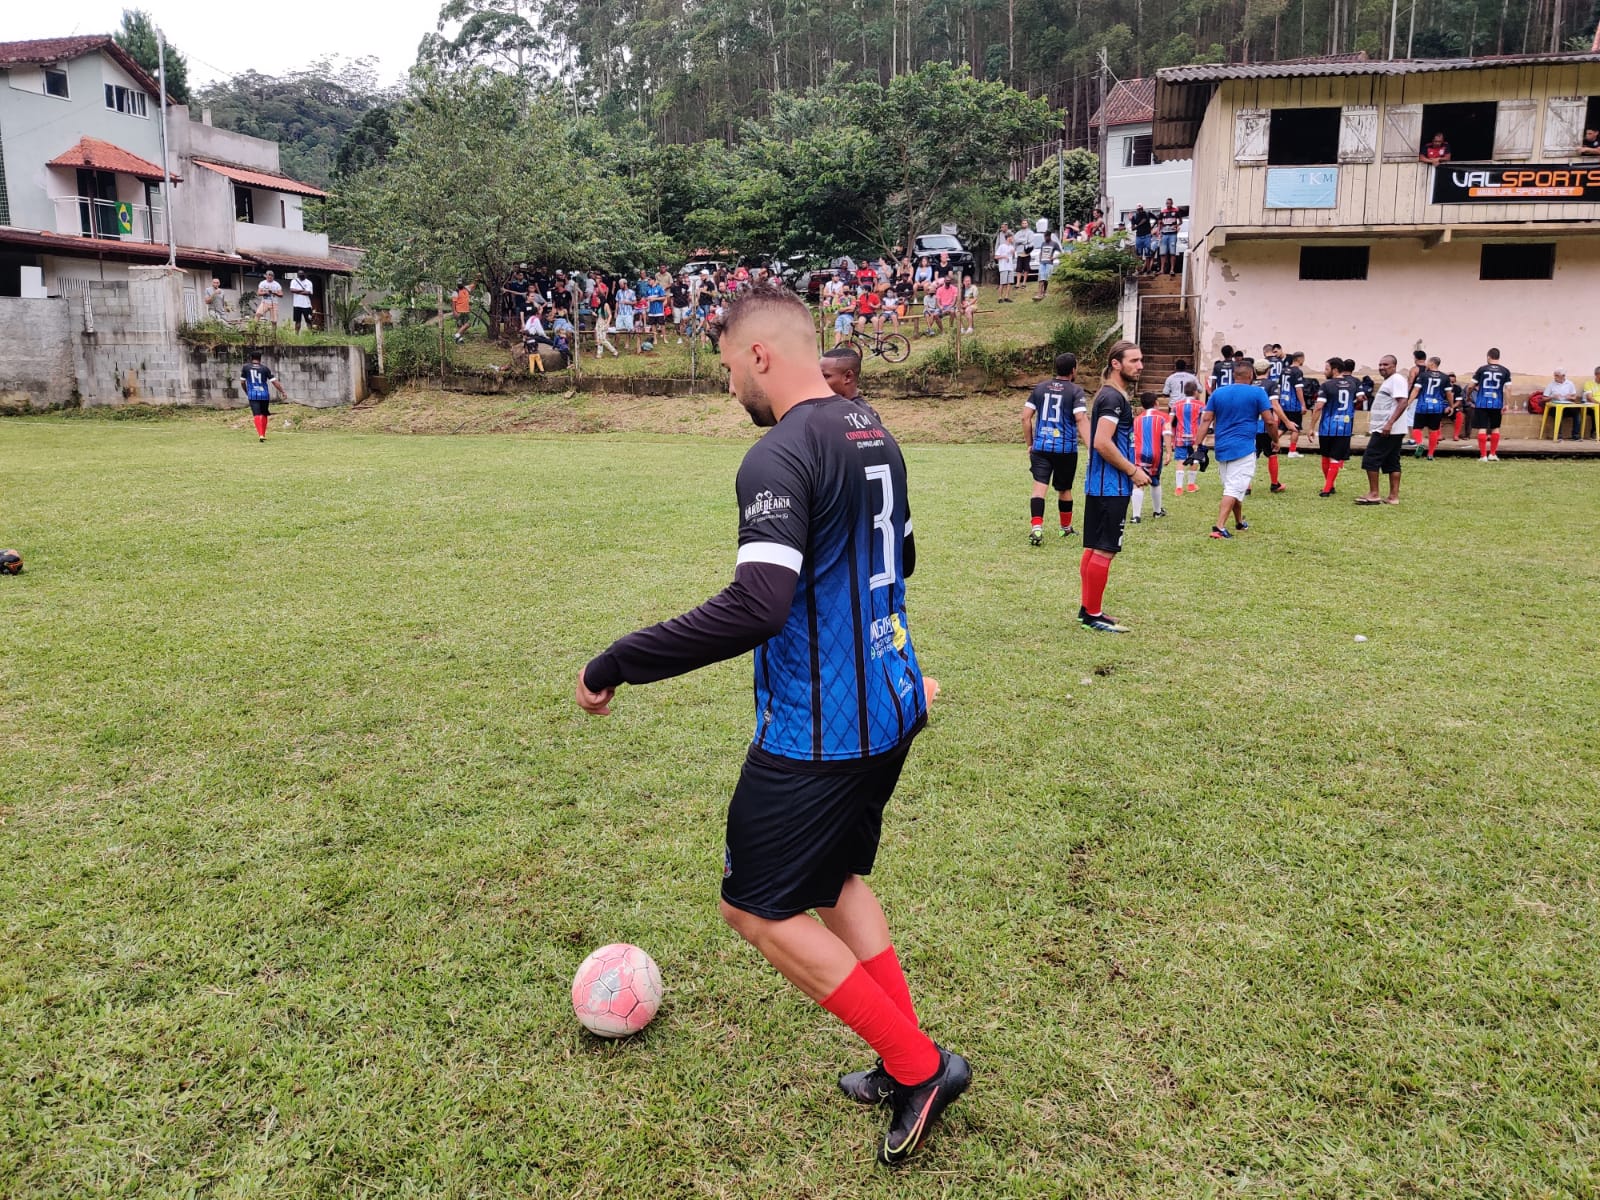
x=749, y=611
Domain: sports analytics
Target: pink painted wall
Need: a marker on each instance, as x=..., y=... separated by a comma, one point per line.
x=1253, y=294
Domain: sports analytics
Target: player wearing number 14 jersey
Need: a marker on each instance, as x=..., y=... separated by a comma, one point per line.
x=819, y=593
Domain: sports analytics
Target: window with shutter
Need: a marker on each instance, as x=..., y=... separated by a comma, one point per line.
x=1513, y=130
x=1251, y=127
x=1563, y=124
x=1402, y=132
x=1358, y=133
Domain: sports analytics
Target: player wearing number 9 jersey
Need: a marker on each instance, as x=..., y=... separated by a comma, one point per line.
x=825, y=548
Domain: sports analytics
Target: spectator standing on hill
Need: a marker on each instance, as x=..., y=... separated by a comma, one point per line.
x=1389, y=422
x=1234, y=411
x=1141, y=224
x=216, y=300
x=1488, y=393
x=1055, y=422
x=1005, y=261
x=603, y=317
x=1108, y=483
x=1169, y=222
x=1049, y=254
x=268, y=293
x=300, y=288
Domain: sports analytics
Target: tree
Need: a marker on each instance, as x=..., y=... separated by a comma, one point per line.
x=484, y=174
x=502, y=35
x=138, y=37
x=1041, y=190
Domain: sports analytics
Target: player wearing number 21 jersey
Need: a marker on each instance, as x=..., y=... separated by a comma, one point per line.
x=819, y=593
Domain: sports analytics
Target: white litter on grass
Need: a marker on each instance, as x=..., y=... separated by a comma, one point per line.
x=1085, y=681
x=1361, y=637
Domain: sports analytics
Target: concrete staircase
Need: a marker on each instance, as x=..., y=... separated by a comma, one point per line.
x=1165, y=332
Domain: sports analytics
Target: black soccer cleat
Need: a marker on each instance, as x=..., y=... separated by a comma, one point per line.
x=917, y=1108
x=872, y=1086
x=1277, y=487
x=1100, y=622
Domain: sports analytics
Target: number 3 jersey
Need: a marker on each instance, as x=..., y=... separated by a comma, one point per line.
x=824, y=494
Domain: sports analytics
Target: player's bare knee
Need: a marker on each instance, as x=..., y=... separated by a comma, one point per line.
x=746, y=925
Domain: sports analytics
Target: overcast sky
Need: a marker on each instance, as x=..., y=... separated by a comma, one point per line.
x=221, y=40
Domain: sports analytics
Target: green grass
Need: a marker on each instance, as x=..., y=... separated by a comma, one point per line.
x=303, y=836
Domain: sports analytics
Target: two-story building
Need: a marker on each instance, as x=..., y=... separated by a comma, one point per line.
x=80, y=182
x=1315, y=223
x=1125, y=126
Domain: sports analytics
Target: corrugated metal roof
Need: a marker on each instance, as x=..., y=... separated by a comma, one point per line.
x=1359, y=65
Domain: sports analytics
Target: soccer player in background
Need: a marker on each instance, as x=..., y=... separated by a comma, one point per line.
x=1335, y=415
x=818, y=592
x=841, y=369
x=1055, y=421
x=257, y=380
x=1488, y=390
x=1149, y=450
x=1266, y=434
x=1185, y=450
x=1430, y=392
x=1222, y=370
x=1292, y=398
x=1109, y=481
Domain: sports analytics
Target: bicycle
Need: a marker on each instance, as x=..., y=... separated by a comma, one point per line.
x=891, y=347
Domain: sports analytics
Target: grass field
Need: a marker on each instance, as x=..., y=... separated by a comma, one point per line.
x=304, y=838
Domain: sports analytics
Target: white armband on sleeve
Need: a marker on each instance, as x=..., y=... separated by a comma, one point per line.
x=770, y=552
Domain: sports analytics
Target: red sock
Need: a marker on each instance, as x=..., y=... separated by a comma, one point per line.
x=1093, y=570
x=1433, y=440
x=1064, y=507
x=261, y=426
x=1494, y=442
x=1416, y=435
x=1294, y=443
x=1333, y=474
x=1272, y=467
x=1483, y=443
x=908, y=1054
x=886, y=973
x=1459, y=416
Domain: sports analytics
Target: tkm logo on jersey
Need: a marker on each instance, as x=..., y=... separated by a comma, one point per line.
x=765, y=504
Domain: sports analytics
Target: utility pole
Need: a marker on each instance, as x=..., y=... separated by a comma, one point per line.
x=166, y=162
x=1394, y=20
x=1105, y=70
x=1061, y=185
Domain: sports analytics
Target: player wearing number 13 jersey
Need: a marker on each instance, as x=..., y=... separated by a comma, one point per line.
x=825, y=548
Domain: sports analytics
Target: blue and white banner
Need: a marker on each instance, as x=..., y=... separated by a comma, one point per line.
x=1302, y=187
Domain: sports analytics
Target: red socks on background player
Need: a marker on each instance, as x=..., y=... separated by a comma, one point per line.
x=1330, y=473
x=1094, y=569
x=1494, y=442
x=861, y=1003
x=1064, y=507
x=1483, y=443
x=261, y=426
x=1272, y=468
x=1460, y=416
x=1433, y=440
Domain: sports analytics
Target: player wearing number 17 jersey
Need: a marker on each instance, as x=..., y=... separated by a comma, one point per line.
x=825, y=548
x=1056, y=422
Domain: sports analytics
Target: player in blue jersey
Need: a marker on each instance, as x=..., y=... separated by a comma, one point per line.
x=819, y=593
x=1055, y=423
x=1109, y=482
x=1335, y=414
x=1292, y=397
x=1488, y=389
x=257, y=382
x=1222, y=369
x=1430, y=392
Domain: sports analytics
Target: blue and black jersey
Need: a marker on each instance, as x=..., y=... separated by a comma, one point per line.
x=1338, y=407
x=1491, y=379
x=824, y=493
x=256, y=378
x=1104, y=478
x=1221, y=373
x=1289, y=395
x=1434, y=394
x=1056, y=404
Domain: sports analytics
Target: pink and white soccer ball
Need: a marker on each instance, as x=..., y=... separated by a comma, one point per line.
x=617, y=990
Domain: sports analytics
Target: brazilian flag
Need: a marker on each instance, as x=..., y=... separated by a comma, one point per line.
x=124, y=217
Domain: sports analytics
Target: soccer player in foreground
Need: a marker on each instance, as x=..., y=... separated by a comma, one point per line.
x=1109, y=481
x=1055, y=420
x=818, y=593
x=255, y=380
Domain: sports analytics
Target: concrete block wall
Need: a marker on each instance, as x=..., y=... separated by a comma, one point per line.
x=36, y=369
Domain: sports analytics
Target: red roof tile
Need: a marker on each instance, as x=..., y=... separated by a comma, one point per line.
x=1131, y=102
x=103, y=156
x=302, y=262
x=261, y=179
x=54, y=50
x=73, y=246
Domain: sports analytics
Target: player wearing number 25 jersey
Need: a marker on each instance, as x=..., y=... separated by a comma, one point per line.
x=819, y=593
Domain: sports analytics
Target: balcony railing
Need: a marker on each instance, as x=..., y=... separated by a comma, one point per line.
x=89, y=216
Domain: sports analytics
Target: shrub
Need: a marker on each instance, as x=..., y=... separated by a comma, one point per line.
x=412, y=352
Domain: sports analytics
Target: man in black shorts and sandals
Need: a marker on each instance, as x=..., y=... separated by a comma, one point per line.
x=1390, y=421
x=818, y=593
x=1055, y=422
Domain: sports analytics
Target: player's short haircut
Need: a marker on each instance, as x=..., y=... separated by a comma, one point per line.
x=1433, y=361
x=1277, y=345
x=762, y=299
x=1181, y=365
x=1336, y=363
x=254, y=354
x=845, y=357
x=1419, y=356
x=1297, y=356
x=1191, y=388
x=1494, y=351
x=1066, y=364
x=1349, y=364
x=1227, y=352
x=1245, y=367
x=1147, y=399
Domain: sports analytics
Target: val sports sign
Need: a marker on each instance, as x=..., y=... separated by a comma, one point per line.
x=1531, y=183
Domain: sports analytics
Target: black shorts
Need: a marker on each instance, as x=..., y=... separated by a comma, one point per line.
x=1335, y=446
x=795, y=837
x=1266, y=444
x=1486, y=418
x=1428, y=421
x=1383, y=453
x=258, y=408
x=1293, y=418
x=1104, y=518
x=1044, y=464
